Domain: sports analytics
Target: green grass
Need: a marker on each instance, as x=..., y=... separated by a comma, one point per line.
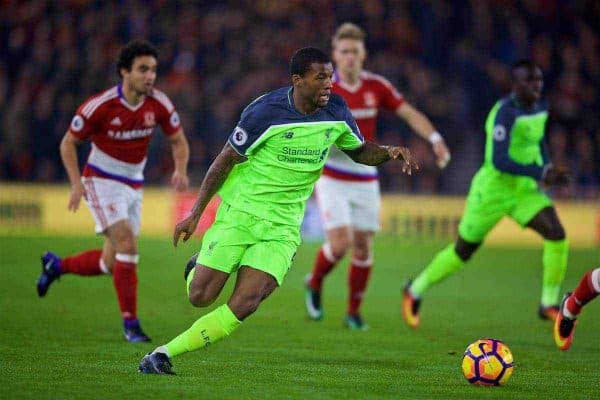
x=69, y=345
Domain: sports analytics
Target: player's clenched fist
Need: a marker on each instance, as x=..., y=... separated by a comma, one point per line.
x=77, y=192
x=186, y=227
x=403, y=153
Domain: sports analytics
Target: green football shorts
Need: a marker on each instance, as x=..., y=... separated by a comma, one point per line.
x=492, y=196
x=237, y=238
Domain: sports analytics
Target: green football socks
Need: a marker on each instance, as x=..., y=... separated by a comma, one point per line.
x=554, y=260
x=207, y=330
x=444, y=264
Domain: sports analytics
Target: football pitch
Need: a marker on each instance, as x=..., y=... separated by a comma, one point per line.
x=69, y=344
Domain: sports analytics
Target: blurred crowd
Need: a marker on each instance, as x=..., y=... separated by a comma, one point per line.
x=449, y=58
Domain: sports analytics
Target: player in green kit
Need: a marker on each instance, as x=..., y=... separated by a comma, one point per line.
x=264, y=174
x=507, y=185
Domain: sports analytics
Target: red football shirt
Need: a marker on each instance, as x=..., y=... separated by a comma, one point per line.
x=371, y=93
x=120, y=133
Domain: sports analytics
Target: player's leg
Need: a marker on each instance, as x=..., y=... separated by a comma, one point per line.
x=107, y=258
x=251, y=288
x=339, y=241
x=272, y=251
x=445, y=263
x=204, y=285
x=337, y=244
x=484, y=208
x=358, y=277
x=89, y=262
x=223, y=246
x=204, y=289
x=556, y=250
x=124, y=270
x=86, y=263
x=365, y=200
x=335, y=214
x=571, y=305
x=587, y=290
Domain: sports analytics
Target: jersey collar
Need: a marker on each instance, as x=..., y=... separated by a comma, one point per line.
x=124, y=100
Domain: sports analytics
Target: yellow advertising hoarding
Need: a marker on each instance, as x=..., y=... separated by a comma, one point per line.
x=42, y=209
x=424, y=217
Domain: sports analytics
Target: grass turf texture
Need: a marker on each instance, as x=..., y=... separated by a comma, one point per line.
x=70, y=345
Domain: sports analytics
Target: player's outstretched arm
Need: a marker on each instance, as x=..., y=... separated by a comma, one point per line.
x=68, y=154
x=212, y=182
x=420, y=124
x=374, y=154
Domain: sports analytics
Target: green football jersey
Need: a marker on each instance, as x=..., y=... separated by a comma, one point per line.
x=514, y=139
x=286, y=151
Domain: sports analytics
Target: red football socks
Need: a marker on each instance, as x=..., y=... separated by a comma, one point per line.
x=586, y=291
x=357, y=281
x=86, y=263
x=125, y=281
x=324, y=263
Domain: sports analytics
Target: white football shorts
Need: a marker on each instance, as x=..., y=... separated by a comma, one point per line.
x=111, y=201
x=347, y=203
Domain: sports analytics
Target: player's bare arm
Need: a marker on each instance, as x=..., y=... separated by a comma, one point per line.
x=374, y=154
x=181, y=155
x=68, y=154
x=212, y=182
x=424, y=128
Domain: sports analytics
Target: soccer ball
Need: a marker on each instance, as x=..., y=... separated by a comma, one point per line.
x=487, y=362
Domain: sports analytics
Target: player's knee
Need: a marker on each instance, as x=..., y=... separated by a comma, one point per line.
x=361, y=253
x=127, y=245
x=339, y=248
x=124, y=240
x=201, y=298
x=555, y=232
x=465, y=250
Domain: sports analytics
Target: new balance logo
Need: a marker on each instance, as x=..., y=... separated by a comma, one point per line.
x=211, y=246
x=323, y=154
x=116, y=121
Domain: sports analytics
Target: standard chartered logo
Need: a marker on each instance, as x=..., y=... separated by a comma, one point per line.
x=302, y=155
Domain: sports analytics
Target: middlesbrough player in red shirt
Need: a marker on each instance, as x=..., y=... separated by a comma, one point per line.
x=348, y=193
x=119, y=122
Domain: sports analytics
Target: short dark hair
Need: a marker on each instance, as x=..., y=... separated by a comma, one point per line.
x=303, y=59
x=523, y=63
x=132, y=50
